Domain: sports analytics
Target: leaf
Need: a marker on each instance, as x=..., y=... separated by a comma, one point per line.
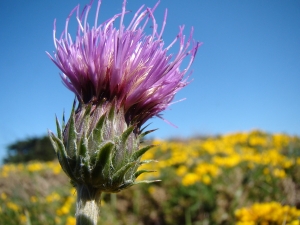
x=59, y=132
x=71, y=141
x=139, y=172
x=86, y=169
x=146, y=132
x=146, y=181
x=52, y=141
x=147, y=161
x=87, y=110
x=86, y=118
x=111, y=112
x=63, y=157
x=141, y=131
x=120, y=174
x=124, y=185
x=63, y=125
x=102, y=159
x=82, y=148
x=126, y=134
x=140, y=152
x=81, y=156
x=97, y=132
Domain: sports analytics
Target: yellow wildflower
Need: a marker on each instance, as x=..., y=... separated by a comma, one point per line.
x=33, y=167
x=206, y=179
x=298, y=161
x=33, y=199
x=23, y=219
x=71, y=220
x=3, y=196
x=57, y=220
x=190, y=179
x=295, y=222
x=151, y=189
x=53, y=197
x=279, y=173
x=181, y=170
x=13, y=206
x=266, y=171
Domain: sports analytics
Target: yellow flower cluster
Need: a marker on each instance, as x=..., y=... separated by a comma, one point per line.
x=68, y=203
x=30, y=167
x=13, y=206
x=53, y=197
x=268, y=213
x=65, y=209
x=9, y=206
x=202, y=173
x=71, y=220
x=202, y=160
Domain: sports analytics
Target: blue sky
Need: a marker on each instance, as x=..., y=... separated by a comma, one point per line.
x=246, y=74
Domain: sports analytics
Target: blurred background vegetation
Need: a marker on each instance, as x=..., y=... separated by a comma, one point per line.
x=240, y=178
x=37, y=148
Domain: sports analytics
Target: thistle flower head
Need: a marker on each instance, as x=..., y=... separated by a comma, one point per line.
x=106, y=63
x=121, y=77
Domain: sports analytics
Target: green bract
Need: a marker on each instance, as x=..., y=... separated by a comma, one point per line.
x=98, y=149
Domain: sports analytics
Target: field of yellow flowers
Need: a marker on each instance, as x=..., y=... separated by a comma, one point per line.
x=240, y=178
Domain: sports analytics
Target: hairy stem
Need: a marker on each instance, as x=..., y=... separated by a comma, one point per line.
x=87, y=205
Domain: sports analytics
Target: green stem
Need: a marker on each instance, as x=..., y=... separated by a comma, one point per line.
x=87, y=205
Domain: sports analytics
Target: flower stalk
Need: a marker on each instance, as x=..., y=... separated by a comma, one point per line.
x=87, y=205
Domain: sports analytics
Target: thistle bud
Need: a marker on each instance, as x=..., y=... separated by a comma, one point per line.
x=99, y=149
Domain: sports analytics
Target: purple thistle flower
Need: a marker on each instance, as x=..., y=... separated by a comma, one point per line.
x=105, y=64
x=121, y=77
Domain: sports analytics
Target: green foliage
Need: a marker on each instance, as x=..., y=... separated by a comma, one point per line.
x=36, y=148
